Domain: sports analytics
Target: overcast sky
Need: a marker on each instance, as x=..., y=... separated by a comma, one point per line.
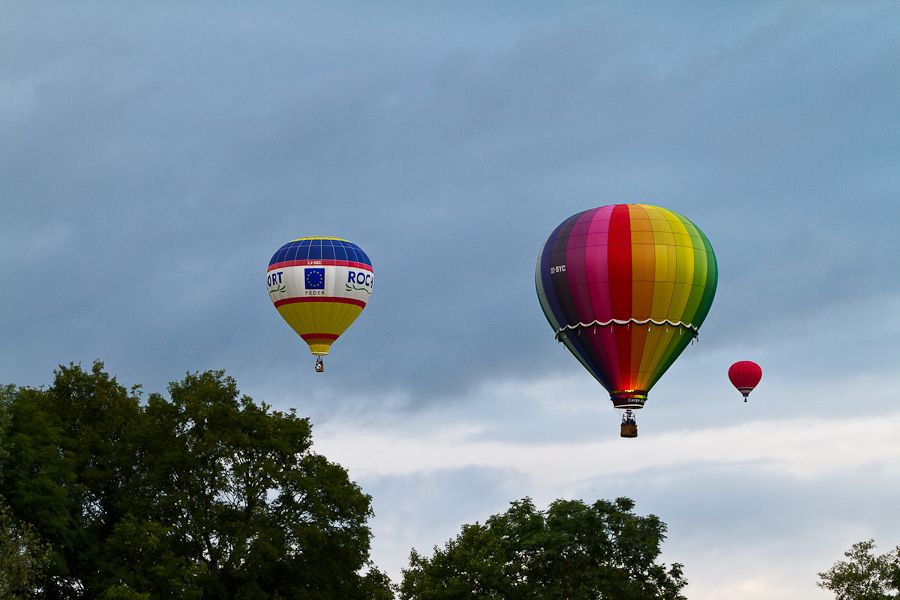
x=154, y=156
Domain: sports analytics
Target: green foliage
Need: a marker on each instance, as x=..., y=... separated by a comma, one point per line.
x=864, y=575
x=23, y=556
x=7, y=397
x=206, y=494
x=573, y=551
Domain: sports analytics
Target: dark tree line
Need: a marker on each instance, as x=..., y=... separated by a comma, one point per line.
x=207, y=494
x=204, y=494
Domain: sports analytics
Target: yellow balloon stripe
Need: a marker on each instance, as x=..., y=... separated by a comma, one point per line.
x=684, y=264
x=329, y=318
x=664, y=276
x=319, y=237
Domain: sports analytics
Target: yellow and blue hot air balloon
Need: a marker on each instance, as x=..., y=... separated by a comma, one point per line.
x=320, y=285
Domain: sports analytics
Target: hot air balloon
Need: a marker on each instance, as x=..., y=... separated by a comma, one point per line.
x=626, y=288
x=319, y=286
x=745, y=375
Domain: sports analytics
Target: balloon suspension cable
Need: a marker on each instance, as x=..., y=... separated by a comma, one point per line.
x=320, y=364
x=628, y=429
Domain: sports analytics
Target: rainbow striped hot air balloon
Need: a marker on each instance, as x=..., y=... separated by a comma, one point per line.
x=319, y=286
x=626, y=288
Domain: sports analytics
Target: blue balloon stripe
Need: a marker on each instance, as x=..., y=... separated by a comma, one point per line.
x=320, y=249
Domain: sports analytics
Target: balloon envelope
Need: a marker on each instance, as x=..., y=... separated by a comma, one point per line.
x=745, y=375
x=626, y=288
x=319, y=286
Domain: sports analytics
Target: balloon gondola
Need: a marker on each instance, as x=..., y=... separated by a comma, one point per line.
x=320, y=285
x=625, y=288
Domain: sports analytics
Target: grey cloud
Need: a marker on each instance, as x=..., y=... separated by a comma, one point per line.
x=178, y=150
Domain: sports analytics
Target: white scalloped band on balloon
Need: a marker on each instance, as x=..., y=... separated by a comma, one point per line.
x=695, y=331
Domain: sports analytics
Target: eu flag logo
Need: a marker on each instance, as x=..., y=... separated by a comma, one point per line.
x=315, y=279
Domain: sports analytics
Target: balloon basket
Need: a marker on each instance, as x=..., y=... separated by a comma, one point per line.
x=628, y=430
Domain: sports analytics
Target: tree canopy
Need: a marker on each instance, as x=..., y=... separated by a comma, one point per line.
x=865, y=575
x=202, y=494
x=571, y=551
x=23, y=555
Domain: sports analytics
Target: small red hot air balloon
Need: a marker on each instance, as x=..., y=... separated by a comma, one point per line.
x=745, y=376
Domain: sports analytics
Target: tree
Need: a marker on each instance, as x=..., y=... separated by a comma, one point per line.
x=572, y=551
x=23, y=555
x=865, y=575
x=205, y=494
